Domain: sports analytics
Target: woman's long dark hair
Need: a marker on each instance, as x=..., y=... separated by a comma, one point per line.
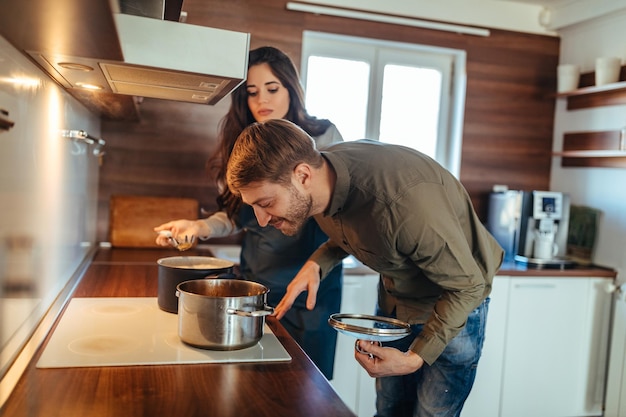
x=239, y=117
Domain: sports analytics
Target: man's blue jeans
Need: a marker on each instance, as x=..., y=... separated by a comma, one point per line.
x=441, y=389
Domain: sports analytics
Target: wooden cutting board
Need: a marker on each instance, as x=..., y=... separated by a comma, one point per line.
x=133, y=218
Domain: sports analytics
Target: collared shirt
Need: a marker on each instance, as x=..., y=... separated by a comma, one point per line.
x=273, y=259
x=405, y=216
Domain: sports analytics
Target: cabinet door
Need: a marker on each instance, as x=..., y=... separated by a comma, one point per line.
x=616, y=380
x=556, y=344
x=484, y=399
x=354, y=386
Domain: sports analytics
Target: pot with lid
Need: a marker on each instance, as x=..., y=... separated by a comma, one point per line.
x=221, y=314
x=177, y=269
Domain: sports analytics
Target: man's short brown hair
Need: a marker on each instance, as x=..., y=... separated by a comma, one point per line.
x=269, y=151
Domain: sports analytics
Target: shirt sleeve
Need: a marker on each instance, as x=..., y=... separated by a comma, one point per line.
x=328, y=256
x=220, y=225
x=329, y=137
x=438, y=236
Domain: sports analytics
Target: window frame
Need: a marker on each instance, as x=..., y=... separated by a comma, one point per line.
x=379, y=52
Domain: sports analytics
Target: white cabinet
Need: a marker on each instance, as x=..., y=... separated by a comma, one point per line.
x=354, y=386
x=546, y=348
x=616, y=379
x=484, y=400
x=556, y=347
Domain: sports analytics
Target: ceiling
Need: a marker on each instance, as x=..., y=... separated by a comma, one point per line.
x=546, y=17
x=559, y=14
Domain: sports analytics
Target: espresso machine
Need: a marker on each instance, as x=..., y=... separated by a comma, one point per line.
x=531, y=226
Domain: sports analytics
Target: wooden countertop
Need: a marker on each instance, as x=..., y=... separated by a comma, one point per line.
x=295, y=388
x=516, y=269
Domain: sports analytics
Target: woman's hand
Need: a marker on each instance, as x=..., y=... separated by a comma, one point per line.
x=182, y=231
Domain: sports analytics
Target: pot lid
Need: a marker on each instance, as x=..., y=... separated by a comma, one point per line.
x=207, y=263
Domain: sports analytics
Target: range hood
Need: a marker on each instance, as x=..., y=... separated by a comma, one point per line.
x=161, y=59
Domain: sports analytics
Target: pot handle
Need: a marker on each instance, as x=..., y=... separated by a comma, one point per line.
x=267, y=310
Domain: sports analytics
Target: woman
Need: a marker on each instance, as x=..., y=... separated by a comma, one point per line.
x=272, y=91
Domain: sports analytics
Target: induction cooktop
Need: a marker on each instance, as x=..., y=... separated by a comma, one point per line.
x=111, y=331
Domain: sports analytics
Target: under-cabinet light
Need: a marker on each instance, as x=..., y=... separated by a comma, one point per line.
x=88, y=86
x=75, y=66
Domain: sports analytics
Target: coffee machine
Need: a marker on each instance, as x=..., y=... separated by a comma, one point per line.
x=531, y=226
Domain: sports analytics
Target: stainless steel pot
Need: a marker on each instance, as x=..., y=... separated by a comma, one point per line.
x=177, y=269
x=221, y=314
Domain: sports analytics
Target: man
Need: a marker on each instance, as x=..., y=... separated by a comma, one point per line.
x=406, y=217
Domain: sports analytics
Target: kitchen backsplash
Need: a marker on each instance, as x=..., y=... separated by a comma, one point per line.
x=48, y=196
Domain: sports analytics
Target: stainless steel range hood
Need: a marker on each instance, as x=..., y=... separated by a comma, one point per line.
x=162, y=59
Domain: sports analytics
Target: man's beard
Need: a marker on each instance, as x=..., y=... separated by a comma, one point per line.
x=298, y=213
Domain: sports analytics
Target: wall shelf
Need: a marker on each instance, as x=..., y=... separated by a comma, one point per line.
x=594, y=89
x=589, y=95
x=594, y=154
x=605, y=149
x=594, y=149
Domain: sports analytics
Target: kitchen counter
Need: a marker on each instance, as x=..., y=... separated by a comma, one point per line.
x=517, y=269
x=351, y=266
x=243, y=389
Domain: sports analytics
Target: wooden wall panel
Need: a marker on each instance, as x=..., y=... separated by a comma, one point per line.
x=162, y=155
x=508, y=124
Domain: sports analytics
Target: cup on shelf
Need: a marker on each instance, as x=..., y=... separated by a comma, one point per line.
x=607, y=70
x=568, y=76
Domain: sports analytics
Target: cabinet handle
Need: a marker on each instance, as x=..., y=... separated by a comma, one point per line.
x=535, y=286
x=81, y=135
x=612, y=288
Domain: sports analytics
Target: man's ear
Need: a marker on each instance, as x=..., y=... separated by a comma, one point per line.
x=302, y=174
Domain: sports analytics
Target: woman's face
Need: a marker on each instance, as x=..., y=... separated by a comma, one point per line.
x=267, y=97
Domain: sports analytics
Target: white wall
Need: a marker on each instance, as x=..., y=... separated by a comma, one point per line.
x=601, y=188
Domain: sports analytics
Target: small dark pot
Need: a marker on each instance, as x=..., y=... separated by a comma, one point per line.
x=177, y=269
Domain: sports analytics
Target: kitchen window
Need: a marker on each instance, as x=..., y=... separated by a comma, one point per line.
x=400, y=93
